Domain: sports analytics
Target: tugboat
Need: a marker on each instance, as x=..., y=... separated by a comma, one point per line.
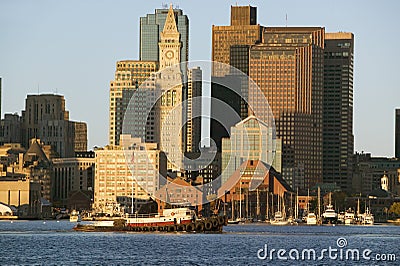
x=171, y=220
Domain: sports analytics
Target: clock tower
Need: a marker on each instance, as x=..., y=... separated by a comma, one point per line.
x=169, y=44
x=169, y=82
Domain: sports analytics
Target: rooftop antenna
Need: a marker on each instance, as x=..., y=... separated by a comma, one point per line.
x=38, y=88
x=286, y=20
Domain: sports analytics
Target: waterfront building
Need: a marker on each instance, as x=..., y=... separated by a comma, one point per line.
x=288, y=68
x=23, y=194
x=129, y=75
x=245, y=200
x=121, y=175
x=397, y=134
x=72, y=175
x=250, y=139
x=338, y=139
x=177, y=192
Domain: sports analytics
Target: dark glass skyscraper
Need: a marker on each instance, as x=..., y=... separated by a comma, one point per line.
x=338, y=140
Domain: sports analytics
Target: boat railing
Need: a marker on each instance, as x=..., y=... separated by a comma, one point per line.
x=141, y=215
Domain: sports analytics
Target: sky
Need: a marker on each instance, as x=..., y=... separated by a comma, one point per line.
x=71, y=47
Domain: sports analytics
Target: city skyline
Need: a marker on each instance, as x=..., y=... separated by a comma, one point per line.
x=79, y=62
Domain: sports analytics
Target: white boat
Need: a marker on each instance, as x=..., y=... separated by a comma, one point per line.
x=367, y=218
x=279, y=219
x=75, y=217
x=349, y=217
x=311, y=219
x=236, y=221
x=330, y=216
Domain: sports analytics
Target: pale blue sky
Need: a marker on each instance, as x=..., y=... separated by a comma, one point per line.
x=71, y=47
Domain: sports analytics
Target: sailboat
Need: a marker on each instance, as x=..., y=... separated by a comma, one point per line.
x=279, y=216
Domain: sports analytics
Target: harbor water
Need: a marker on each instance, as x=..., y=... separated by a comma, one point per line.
x=55, y=243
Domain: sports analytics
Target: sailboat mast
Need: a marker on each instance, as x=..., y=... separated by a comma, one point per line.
x=267, y=211
x=319, y=202
x=240, y=198
x=258, y=205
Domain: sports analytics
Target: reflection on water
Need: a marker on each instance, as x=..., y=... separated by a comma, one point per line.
x=55, y=243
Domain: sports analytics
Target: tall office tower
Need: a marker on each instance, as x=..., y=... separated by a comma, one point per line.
x=243, y=30
x=397, y=134
x=169, y=83
x=129, y=75
x=338, y=140
x=288, y=68
x=151, y=27
x=45, y=118
x=193, y=124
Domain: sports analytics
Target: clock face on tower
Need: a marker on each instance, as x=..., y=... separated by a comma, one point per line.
x=169, y=54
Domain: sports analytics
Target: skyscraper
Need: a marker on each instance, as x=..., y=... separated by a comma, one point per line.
x=229, y=87
x=129, y=75
x=151, y=27
x=288, y=68
x=45, y=118
x=338, y=140
x=193, y=124
x=243, y=30
x=397, y=134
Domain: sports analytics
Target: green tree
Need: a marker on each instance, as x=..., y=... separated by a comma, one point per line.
x=395, y=208
x=338, y=199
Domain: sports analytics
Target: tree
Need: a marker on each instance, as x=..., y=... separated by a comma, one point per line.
x=395, y=208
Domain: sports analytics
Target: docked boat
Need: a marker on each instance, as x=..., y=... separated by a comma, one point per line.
x=349, y=217
x=311, y=219
x=329, y=216
x=236, y=221
x=279, y=219
x=75, y=217
x=367, y=218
